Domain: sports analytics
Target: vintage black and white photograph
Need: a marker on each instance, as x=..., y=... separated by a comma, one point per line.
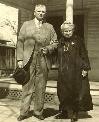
x=49, y=60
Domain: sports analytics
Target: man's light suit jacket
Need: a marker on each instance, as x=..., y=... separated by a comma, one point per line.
x=30, y=36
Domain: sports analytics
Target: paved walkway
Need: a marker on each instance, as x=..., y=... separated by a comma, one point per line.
x=9, y=111
x=9, y=108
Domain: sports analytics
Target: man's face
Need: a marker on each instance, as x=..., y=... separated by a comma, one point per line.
x=68, y=33
x=40, y=12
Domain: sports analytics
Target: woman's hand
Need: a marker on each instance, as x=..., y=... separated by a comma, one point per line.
x=84, y=73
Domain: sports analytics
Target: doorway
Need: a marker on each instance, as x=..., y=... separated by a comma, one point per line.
x=56, y=21
x=79, y=25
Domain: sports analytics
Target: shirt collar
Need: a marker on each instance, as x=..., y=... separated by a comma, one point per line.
x=37, y=22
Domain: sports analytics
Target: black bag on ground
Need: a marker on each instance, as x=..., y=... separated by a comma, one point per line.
x=20, y=75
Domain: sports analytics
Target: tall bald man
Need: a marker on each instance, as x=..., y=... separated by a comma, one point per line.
x=36, y=41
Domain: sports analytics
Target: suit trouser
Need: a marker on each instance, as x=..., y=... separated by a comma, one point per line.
x=37, y=84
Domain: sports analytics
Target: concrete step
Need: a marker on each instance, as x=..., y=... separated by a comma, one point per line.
x=9, y=88
x=94, y=88
x=94, y=85
x=11, y=84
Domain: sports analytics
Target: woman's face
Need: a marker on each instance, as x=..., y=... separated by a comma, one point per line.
x=67, y=33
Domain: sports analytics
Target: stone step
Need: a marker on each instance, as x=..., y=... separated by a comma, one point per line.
x=11, y=84
x=9, y=88
x=51, y=85
x=94, y=88
x=94, y=85
x=94, y=93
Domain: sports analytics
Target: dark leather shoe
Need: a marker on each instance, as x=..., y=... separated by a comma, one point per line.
x=61, y=116
x=72, y=120
x=21, y=117
x=74, y=117
x=41, y=117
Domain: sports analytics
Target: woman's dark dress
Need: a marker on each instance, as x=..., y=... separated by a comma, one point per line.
x=72, y=88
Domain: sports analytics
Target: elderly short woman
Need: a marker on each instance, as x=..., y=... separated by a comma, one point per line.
x=73, y=67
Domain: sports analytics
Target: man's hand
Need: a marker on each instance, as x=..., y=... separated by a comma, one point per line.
x=20, y=64
x=84, y=73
